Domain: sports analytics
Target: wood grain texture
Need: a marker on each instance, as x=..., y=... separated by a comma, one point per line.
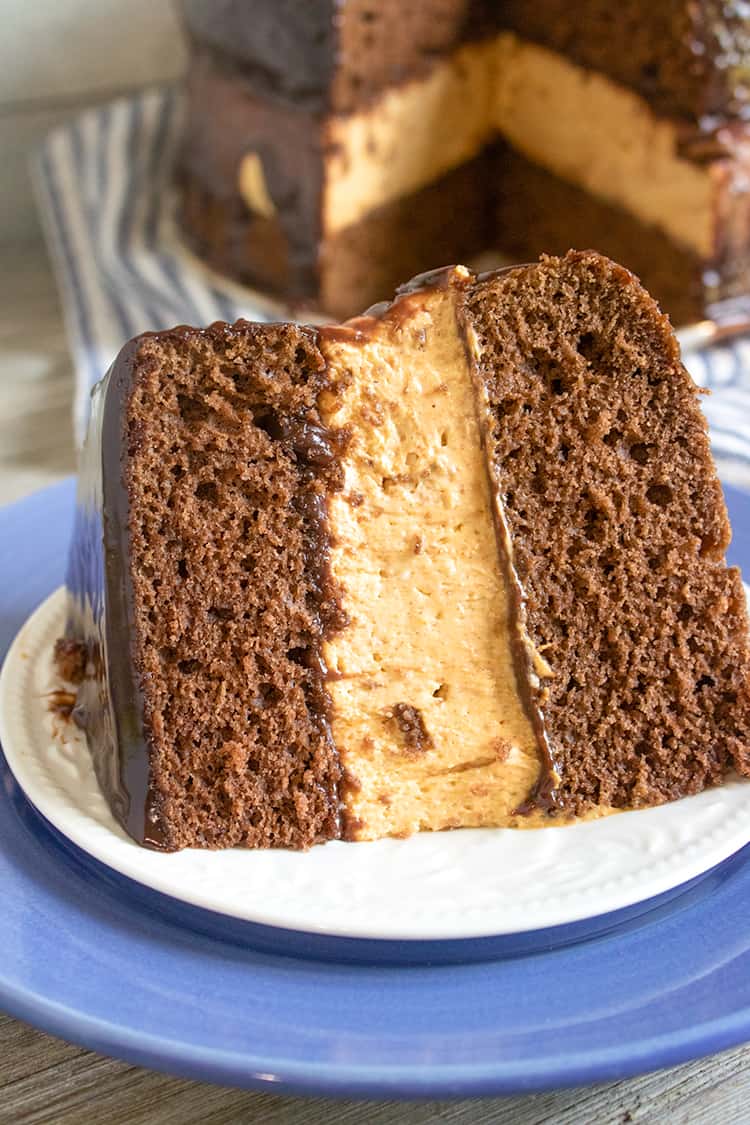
x=43, y=1080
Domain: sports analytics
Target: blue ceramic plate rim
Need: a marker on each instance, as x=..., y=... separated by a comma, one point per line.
x=712, y=932
x=492, y=937
x=264, y=1071
x=345, y=950
x=265, y=1074
x=274, y=1073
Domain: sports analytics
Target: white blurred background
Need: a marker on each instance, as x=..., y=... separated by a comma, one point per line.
x=56, y=58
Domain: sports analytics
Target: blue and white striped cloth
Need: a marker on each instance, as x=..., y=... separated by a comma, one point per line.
x=104, y=186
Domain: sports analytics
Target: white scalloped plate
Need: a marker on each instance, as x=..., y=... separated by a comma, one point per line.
x=446, y=885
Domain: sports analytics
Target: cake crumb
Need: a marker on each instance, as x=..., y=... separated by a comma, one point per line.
x=352, y=825
x=70, y=659
x=410, y=724
x=501, y=748
x=350, y=781
x=61, y=702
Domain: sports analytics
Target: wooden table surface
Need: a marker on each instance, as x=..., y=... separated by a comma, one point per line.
x=45, y=1080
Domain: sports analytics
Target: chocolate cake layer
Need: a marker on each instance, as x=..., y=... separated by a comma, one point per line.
x=687, y=59
x=359, y=265
x=365, y=262
x=209, y=468
x=328, y=55
x=616, y=527
x=284, y=146
x=241, y=243
x=537, y=212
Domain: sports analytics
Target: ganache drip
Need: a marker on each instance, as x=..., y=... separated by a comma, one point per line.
x=318, y=450
x=543, y=797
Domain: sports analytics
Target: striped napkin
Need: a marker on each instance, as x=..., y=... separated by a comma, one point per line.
x=104, y=187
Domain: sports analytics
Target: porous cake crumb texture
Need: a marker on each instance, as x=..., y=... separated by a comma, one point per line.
x=601, y=458
x=227, y=466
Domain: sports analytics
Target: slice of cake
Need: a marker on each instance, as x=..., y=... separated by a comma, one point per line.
x=334, y=148
x=458, y=562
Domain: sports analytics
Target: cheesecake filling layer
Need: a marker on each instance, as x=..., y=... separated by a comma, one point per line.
x=410, y=136
x=535, y=99
x=626, y=154
x=426, y=713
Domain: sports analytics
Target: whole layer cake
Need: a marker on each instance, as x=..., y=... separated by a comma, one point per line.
x=458, y=562
x=334, y=149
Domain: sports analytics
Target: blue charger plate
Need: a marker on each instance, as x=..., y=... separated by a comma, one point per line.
x=100, y=961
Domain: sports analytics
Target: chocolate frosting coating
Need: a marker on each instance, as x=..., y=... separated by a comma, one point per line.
x=331, y=54
x=109, y=706
x=688, y=59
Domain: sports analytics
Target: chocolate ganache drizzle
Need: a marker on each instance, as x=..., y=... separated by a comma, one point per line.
x=110, y=705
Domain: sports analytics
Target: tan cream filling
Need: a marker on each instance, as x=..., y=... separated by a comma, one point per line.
x=603, y=138
x=414, y=549
x=572, y=122
x=413, y=134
